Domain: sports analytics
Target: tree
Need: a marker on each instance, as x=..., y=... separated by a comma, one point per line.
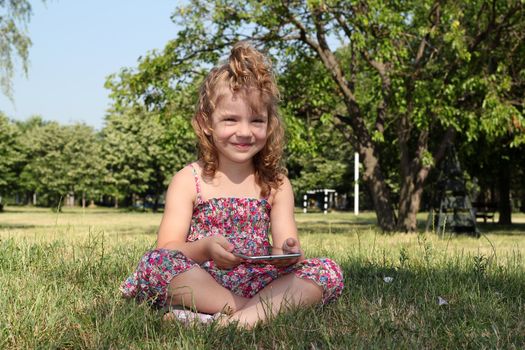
x=497, y=154
x=83, y=155
x=27, y=180
x=411, y=75
x=13, y=38
x=59, y=160
x=156, y=128
x=10, y=157
x=142, y=153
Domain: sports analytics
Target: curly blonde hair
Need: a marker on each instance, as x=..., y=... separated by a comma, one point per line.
x=245, y=69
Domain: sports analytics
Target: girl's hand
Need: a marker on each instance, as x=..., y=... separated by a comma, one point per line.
x=220, y=251
x=290, y=245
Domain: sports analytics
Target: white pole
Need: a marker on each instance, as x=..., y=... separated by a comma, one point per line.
x=356, y=184
x=325, y=202
x=305, y=203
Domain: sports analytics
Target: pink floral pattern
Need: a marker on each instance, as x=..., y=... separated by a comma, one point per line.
x=245, y=223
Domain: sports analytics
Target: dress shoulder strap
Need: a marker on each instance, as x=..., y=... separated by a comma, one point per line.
x=197, y=184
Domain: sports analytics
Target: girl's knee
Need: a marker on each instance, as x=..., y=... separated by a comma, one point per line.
x=154, y=272
x=325, y=272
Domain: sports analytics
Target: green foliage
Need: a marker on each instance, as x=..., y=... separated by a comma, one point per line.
x=142, y=152
x=59, y=160
x=148, y=138
x=135, y=154
x=315, y=151
x=14, y=16
x=11, y=156
x=320, y=173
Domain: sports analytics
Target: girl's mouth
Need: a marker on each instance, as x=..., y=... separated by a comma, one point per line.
x=242, y=145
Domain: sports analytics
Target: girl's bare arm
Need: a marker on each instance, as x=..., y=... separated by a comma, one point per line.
x=176, y=220
x=283, y=225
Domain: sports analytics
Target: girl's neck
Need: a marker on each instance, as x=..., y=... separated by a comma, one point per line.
x=232, y=180
x=236, y=172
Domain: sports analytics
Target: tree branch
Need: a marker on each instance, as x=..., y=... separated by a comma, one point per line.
x=380, y=68
x=435, y=14
x=491, y=26
x=321, y=47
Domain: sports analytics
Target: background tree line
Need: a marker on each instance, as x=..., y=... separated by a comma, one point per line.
x=397, y=81
x=133, y=158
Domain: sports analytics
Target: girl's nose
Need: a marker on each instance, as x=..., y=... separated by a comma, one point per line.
x=243, y=129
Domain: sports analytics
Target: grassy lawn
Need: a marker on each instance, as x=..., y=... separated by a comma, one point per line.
x=59, y=277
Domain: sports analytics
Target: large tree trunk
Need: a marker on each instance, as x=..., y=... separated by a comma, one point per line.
x=405, y=222
x=410, y=201
x=373, y=176
x=379, y=190
x=414, y=174
x=409, y=204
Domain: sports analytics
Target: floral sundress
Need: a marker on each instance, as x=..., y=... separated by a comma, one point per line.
x=245, y=222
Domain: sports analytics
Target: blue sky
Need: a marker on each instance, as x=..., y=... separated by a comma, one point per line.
x=76, y=45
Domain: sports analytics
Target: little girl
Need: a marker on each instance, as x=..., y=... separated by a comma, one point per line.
x=227, y=202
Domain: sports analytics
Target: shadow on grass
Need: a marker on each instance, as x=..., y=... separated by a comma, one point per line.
x=337, y=227
x=476, y=276
x=135, y=231
x=66, y=210
x=494, y=228
x=16, y=226
x=448, y=306
x=341, y=226
x=487, y=228
x=16, y=210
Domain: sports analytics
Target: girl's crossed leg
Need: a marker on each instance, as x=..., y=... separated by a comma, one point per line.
x=286, y=292
x=198, y=289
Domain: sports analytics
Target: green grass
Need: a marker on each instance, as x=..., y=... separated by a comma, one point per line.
x=59, y=277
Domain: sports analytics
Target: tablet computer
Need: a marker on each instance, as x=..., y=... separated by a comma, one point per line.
x=273, y=254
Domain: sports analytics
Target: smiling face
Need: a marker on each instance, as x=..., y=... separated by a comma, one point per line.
x=239, y=125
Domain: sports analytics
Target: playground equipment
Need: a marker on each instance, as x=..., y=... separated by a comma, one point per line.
x=451, y=200
x=326, y=196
